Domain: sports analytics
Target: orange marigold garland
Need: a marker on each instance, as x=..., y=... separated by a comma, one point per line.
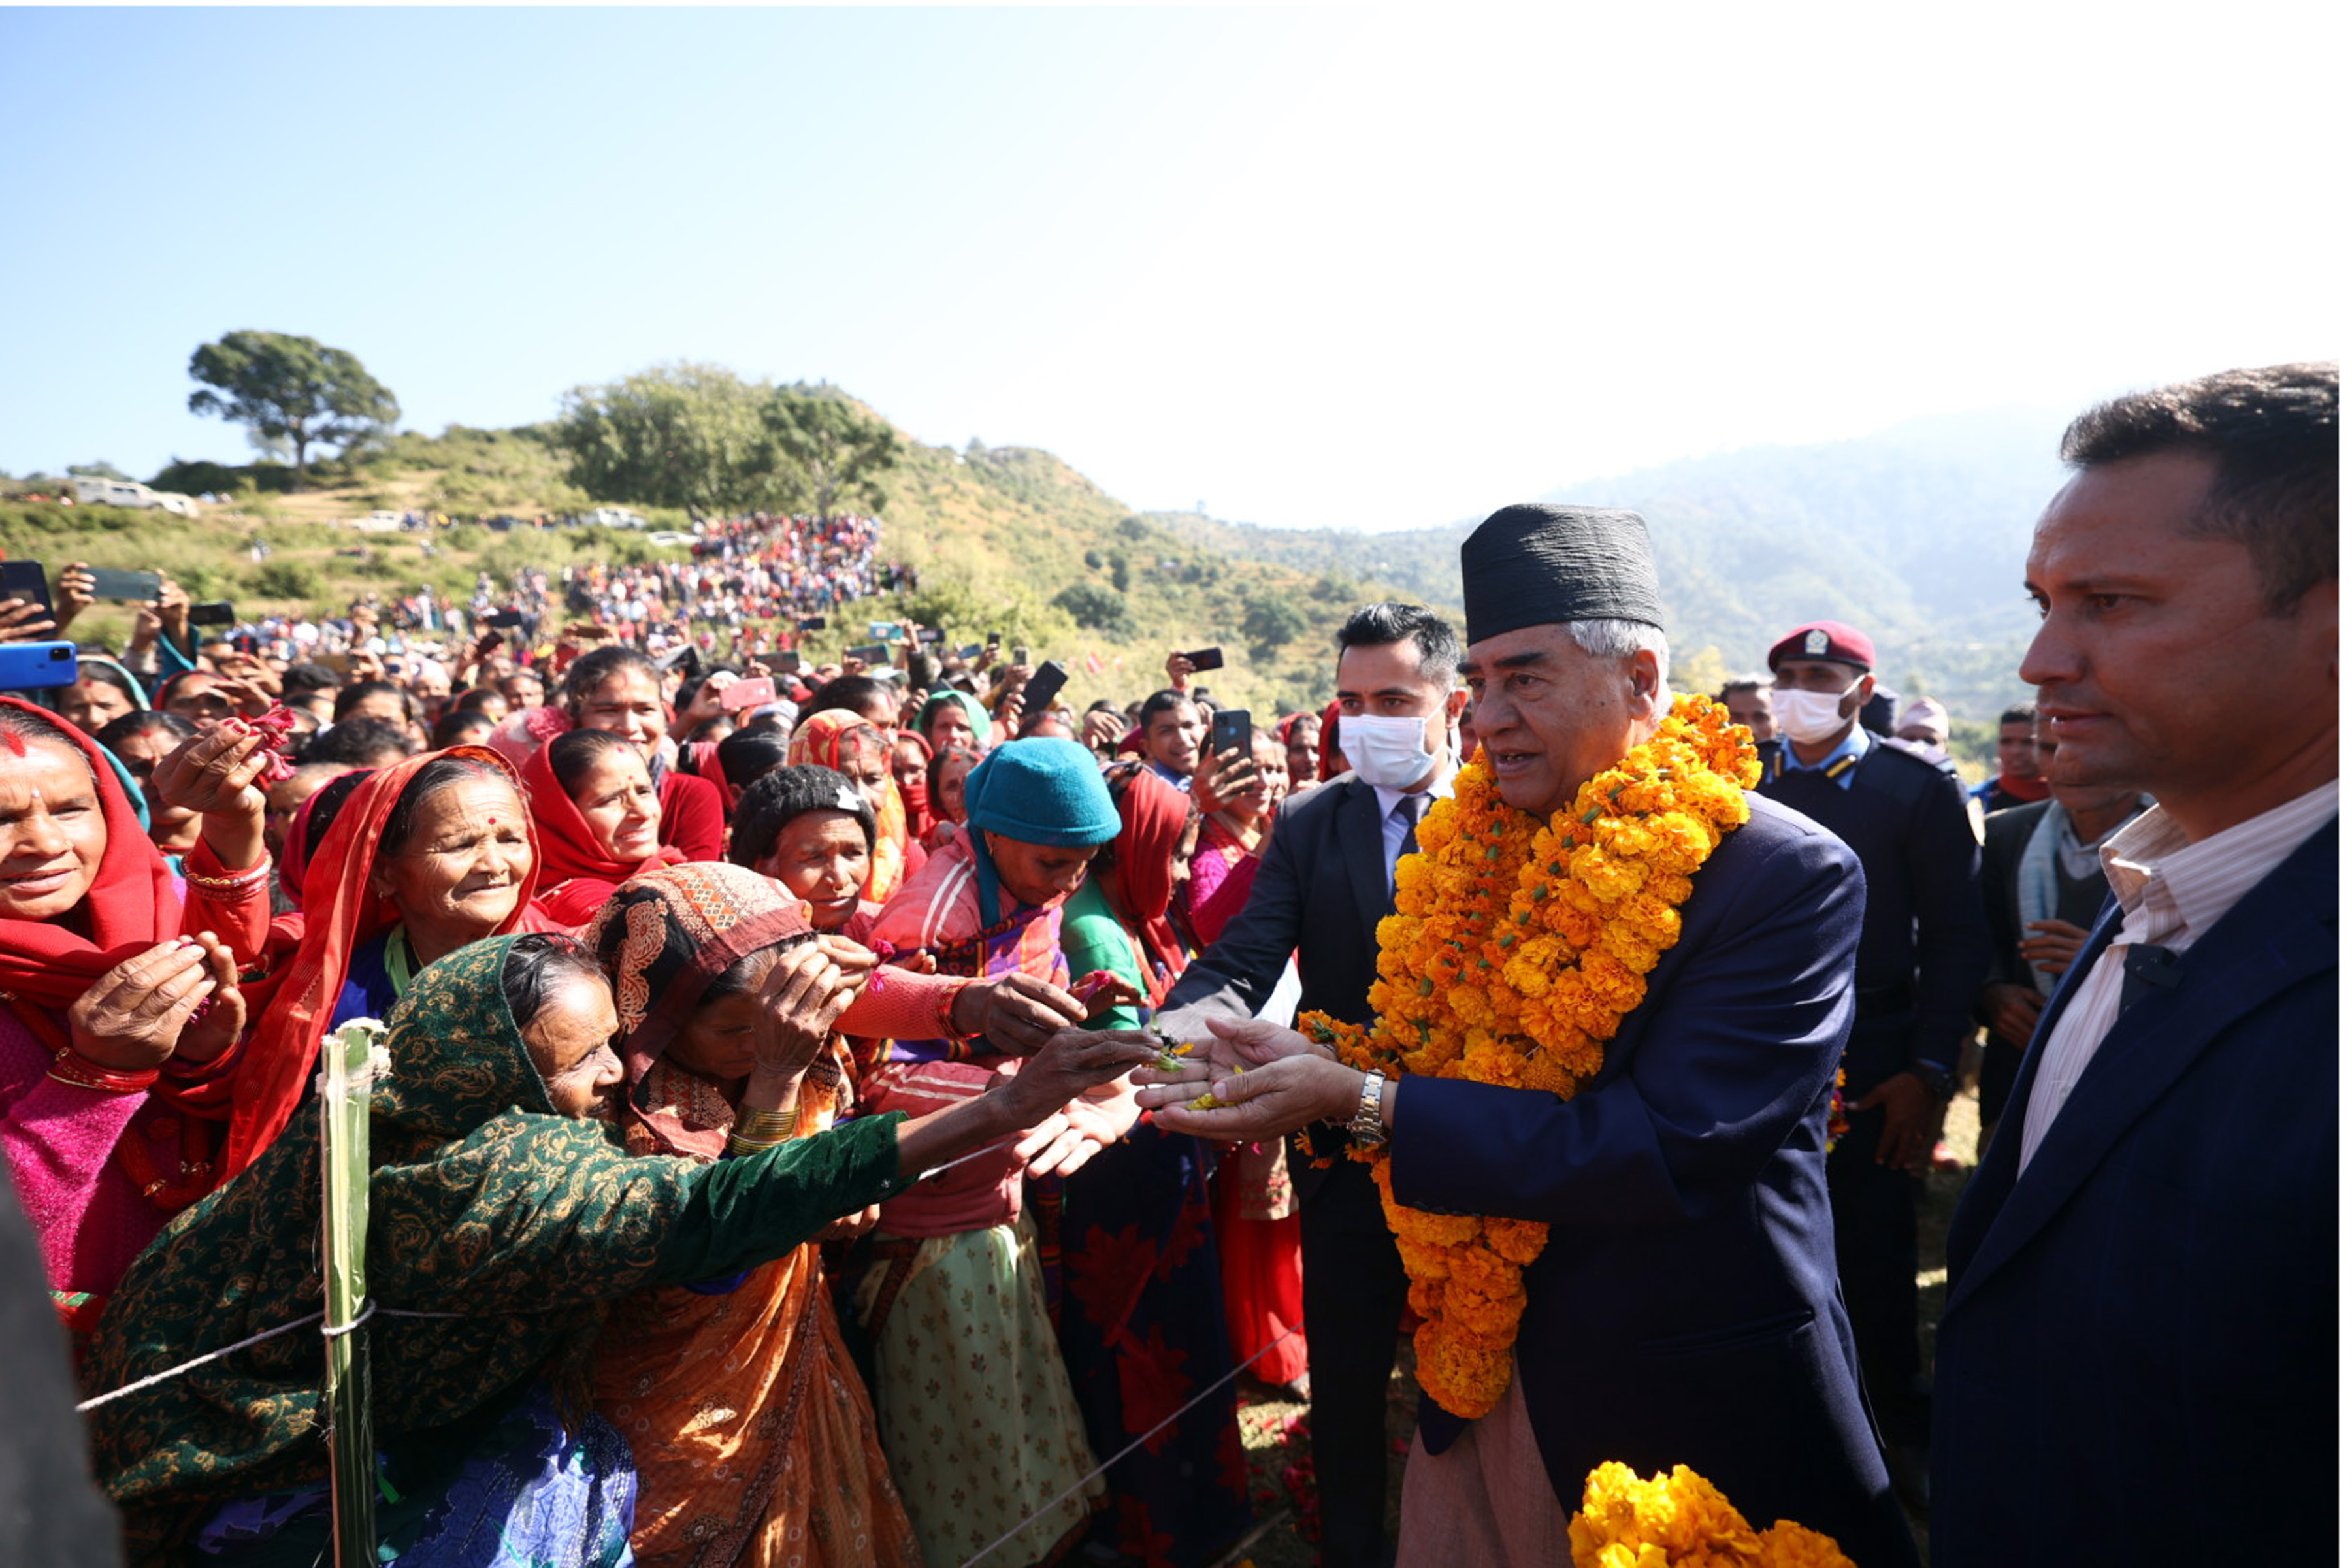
x=1681, y=1520
x=1516, y=948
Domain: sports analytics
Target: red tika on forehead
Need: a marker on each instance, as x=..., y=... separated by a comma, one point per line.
x=16, y=742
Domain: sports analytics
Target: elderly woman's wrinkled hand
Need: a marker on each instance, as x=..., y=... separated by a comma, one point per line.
x=214, y=1026
x=804, y=995
x=1072, y=1062
x=216, y=772
x=1018, y=1013
x=131, y=1016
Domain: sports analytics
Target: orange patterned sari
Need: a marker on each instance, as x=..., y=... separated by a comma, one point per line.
x=754, y=1437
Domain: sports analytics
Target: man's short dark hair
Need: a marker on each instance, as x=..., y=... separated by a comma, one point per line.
x=1389, y=621
x=2022, y=714
x=1160, y=702
x=1743, y=683
x=301, y=680
x=363, y=742
x=2271, y=434
x=352, y=696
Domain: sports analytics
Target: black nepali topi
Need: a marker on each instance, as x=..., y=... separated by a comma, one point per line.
x=1534, y=564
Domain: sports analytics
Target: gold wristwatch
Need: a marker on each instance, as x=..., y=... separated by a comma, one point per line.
x=1366, y=1129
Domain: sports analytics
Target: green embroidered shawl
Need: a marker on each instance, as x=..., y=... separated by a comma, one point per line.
x=485, y=1203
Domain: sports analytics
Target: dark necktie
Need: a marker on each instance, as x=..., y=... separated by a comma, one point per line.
x=1407, y=810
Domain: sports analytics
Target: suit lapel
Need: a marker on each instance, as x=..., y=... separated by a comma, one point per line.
x=1361, y=852
x=2280, y=934
x=1982, y=1199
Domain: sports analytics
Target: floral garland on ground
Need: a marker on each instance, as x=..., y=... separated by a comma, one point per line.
x=1516, y=948
x=1682, y=1521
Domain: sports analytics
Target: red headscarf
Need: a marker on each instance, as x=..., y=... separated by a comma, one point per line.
x=821, y=738
x=576, y=874
x=342, y=910
x=917, y=800
x=1152, y=818
x=1331, y=762
x=130, y=908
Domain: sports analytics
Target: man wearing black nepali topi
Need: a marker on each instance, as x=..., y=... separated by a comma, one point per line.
x=1683, y=1307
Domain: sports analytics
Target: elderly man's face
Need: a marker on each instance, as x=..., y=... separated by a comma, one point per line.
x=2159, y=666
x=1551, y=715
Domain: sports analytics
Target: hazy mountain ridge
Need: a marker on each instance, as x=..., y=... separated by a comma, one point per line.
x=1916, y=533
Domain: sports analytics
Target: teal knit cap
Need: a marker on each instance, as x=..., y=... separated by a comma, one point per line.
x=1040, y=791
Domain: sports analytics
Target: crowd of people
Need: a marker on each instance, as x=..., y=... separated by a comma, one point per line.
x=839, y=1114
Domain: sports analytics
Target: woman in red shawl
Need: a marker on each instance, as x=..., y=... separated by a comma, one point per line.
x=425, y=856
x=1142, y=1317
x=911, y=763
x=617, y=689
x=118, y=1003
x=857, y=751
x=599, y=821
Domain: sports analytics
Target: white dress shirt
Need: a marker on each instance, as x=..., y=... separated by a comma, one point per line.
x=2171, y=892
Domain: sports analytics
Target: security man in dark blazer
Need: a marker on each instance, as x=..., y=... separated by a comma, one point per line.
x=1326, y=880
x=2137, y=1362
x=1685, y=1309
x=1925, y=949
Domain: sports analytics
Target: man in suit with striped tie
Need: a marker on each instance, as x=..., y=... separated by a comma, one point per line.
x=2138, y=1353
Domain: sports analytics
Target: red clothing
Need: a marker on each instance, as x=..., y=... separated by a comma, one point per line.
x=70, y=1150
x=1222, y=874
x=340, y=911
x=576, y=874
x=693, y=817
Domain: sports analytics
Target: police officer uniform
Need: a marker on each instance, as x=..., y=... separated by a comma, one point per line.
x=1924, y=953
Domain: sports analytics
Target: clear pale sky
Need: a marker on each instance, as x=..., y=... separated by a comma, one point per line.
x=1375, y=269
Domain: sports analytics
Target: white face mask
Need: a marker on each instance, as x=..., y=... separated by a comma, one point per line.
x=1809, y=718
x=1387, y=753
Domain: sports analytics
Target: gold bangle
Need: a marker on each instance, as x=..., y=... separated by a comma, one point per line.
x=737, y=1144
x=236, y=881
x=767, y=1126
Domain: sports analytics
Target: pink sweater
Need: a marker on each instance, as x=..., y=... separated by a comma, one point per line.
x=59, y=1139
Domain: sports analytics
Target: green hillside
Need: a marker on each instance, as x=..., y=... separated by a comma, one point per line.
x=1004, y=539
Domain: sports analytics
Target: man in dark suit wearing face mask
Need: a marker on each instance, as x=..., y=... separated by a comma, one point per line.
x=1326, y=880
x=1925, y=948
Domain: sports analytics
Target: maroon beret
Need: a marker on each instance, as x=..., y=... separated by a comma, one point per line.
x=1825, y=639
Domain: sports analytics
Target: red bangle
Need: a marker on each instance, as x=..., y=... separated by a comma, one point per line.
x=947, y=1012
x=69, y=1066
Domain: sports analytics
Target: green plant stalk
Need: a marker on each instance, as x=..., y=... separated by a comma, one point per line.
x=344, y=1170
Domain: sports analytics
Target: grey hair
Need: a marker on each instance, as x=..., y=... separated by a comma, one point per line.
x=1623, y=639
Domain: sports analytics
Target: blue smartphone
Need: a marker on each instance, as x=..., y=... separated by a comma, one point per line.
x=25, y=666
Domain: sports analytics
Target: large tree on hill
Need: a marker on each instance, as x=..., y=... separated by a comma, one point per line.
x=682, y=435
x=841, y=457
x=288, y=389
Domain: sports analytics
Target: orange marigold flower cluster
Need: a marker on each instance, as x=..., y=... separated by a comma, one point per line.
x=1516, y=948
x=1681, y=1520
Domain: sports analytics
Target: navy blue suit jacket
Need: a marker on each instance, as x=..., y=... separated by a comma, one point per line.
x=2138, y=1356
x=1685, y=1309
